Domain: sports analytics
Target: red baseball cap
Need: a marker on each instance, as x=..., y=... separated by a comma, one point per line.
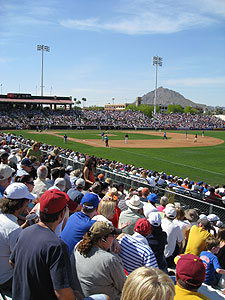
x=190, y=269
x=143, y=227
x=53, y=201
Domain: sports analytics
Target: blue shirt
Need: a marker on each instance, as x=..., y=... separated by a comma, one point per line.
x=211, y=263
x=76, y=227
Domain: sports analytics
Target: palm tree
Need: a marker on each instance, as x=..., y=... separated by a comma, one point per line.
x=84, y=100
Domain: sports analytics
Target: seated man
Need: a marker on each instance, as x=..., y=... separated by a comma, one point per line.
x=80, y=222
x=135, y=251
x=190, y=274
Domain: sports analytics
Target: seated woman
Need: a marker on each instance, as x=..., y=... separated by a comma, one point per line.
x=98, y=270
x=148, y=283
x=106, y=210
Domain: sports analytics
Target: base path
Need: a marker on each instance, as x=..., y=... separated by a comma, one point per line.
x=176, y=140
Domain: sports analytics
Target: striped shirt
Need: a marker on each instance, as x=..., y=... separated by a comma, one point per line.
x=135, y=254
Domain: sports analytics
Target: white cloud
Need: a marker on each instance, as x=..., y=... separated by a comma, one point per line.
x=151, y=16
x=195, y=81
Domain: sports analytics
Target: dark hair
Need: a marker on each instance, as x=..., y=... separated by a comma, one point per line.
x=187, y=286
x=221, y=234
x=86, y=209
x=88, y=163
x=55, y=172
x=9, y=206
x=49, y=218
x=156, y=230
x=25, y=178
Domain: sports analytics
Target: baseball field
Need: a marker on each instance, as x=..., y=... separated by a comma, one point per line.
x=178, y=154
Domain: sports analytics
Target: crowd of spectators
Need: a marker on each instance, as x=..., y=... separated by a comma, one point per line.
x=24, y=118
x=67, y=239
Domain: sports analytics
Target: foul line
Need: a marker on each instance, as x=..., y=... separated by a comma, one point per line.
x=168, y=161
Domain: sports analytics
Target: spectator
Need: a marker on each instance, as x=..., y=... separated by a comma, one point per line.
x=98, y=270
x=88, y=172
x=14, y=202
x=80, y=222
x=76, y=193
x=5, y=177
x=213, y=269
x=163, y=201
x=174, y=235
x=197, y=237
x=25, y=167
x=132, y=214
x=35, y=151
x=41, y=184
x=134, y=252
x=148, y=283
x=157, y=240
x=106, y=210
x=45, y=262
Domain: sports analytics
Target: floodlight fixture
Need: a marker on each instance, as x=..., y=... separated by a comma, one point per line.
x=157, y=61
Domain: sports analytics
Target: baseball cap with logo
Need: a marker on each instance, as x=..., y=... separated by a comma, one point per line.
x=17, y=191
x=53, y=201
x=5, y=171
x=155, y=219
x=190, y=269
x=91, y=199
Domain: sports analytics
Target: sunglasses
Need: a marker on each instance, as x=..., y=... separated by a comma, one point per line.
x=30, y=182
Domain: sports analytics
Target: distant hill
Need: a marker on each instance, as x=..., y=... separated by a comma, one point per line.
x=167, y=97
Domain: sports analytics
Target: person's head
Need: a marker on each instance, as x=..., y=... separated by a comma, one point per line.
x=6, y=173
x=152, y=198
x=35, y=147
x=42, y=172
x=55, y=172
x=80, y=184
x=221, y=234
x=75, y=173
x=96, y=187
x=204, y=223
x=190, y=271
x=52, y=206
x=170, y=212
x=148, y=283
x=28, y=181
x=26, y=164
x=213, y=218
x=15, y=199
x=212, y=244
x=180, y=213
x=191, y=215
x=90, y=163
x=106, y=208
x=101, y=234
x=143, y=227
x=4, y=157
x=89, y=204
x=145, y=192
x=164, y=201
x=60, y=183
x=134, y=203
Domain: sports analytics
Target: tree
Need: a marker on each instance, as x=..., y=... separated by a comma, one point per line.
x=191, y=110
x=174, y=109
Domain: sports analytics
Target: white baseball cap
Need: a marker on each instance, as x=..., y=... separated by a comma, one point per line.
x=170, y=212
x=213, y=218
x=155, y=219
x=18, y=190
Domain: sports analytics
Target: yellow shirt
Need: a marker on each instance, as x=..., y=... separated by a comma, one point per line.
x=182, y=294
x=196, y=240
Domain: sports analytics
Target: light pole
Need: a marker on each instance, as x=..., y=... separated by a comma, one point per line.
x=42, y=48
x=157, y=61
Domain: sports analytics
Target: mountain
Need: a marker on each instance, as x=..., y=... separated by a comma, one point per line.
x=166, y=97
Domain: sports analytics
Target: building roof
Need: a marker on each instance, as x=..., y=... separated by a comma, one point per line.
x=36, y=101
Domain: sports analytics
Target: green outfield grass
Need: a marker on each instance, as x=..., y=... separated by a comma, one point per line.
x=197, y=163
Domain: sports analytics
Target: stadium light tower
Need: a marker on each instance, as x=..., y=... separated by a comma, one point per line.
x=42, y=48
x=157, y=61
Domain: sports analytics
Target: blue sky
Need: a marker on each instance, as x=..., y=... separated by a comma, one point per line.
x=103, y=49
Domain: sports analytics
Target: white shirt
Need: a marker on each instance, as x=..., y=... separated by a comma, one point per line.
x=140, y=238
x=174, y=235
x=9, y=233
